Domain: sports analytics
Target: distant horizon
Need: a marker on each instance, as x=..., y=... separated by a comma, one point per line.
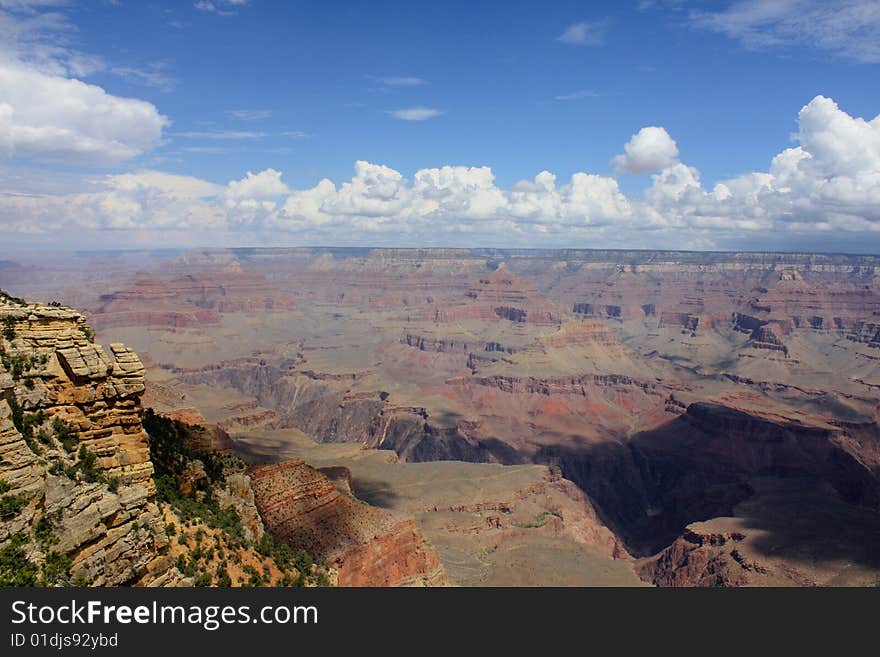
x=474, y=249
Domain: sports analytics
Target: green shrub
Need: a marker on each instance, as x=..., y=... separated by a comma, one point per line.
x=65, y=433
x=59, y=468
x=11, y=505
x=56, y=568
x=9, y=327
x=88, y=465
x=203, y=579
x=223, y=578
x=15, y=568
x=254, y=577
x=44, y=530
x=25, y=423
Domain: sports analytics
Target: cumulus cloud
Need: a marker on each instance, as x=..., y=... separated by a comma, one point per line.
x=144, y=199
x=415, y=113
x=650, y=149
x=266, y=184
x=47, y=113
x=52, y=118
x=827, y=184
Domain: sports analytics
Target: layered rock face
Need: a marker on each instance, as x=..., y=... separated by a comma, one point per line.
x=702, y=465
x=366, y=545
x=502, y=295
x=188, y=300
x=73, y=450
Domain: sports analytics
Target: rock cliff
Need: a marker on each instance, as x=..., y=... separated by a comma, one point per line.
x=367, y=546
x=79, y=499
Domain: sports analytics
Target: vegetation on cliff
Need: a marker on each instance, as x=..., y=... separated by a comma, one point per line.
x=211, y=544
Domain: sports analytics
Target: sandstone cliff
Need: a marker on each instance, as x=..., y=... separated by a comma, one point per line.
x=368, y=546
x=79, y=499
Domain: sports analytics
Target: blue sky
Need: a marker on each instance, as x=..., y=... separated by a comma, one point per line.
x=305, y=90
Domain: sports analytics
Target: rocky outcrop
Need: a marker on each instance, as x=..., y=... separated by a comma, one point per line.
x=700, y=559
x=585, y=334
x=411, y=434
x=575, y=385
x=74, y=454
x=366, y=545
x=701, y=464
x=502, y=295
x=791, y=532
x=686, y=321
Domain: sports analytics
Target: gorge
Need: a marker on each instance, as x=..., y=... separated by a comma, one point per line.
x=490, y=416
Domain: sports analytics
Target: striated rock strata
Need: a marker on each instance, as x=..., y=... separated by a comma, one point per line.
x=367, y=546
x=74, y=458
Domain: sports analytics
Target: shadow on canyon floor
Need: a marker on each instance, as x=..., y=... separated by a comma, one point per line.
x=804, y=521
x=376, y=492
x=263, y=450
x=649, y=488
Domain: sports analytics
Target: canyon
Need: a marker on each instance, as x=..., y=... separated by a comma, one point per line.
x=513, y=417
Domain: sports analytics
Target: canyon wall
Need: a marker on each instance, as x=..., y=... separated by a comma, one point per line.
x=367, y=546
x=79, y=499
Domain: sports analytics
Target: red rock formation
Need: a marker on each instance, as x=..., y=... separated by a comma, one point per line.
x=585, y=334
x=700, y=560
x=502, y=295
x=188, y=300
x=209, y=437
x=367, y=545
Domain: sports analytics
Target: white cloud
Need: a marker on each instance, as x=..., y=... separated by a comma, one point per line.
x=401, y=81
x=249, y=114
x=42, y=40
x=830, y=181
x=30, y=5
x=650, y=149
x=216, y=7
x=219, y=134
x=52, y=118
x=584, y=34
x=206, y=150
x=847, y=28
x=578, y=95
x=47, y=112
x=145, y=199
x=826, y=186
x=151, y=77
x=415, y=113
x=263, y=185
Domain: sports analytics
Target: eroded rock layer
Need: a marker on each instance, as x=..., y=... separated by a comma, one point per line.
x=74, y=457
x=366, y=545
